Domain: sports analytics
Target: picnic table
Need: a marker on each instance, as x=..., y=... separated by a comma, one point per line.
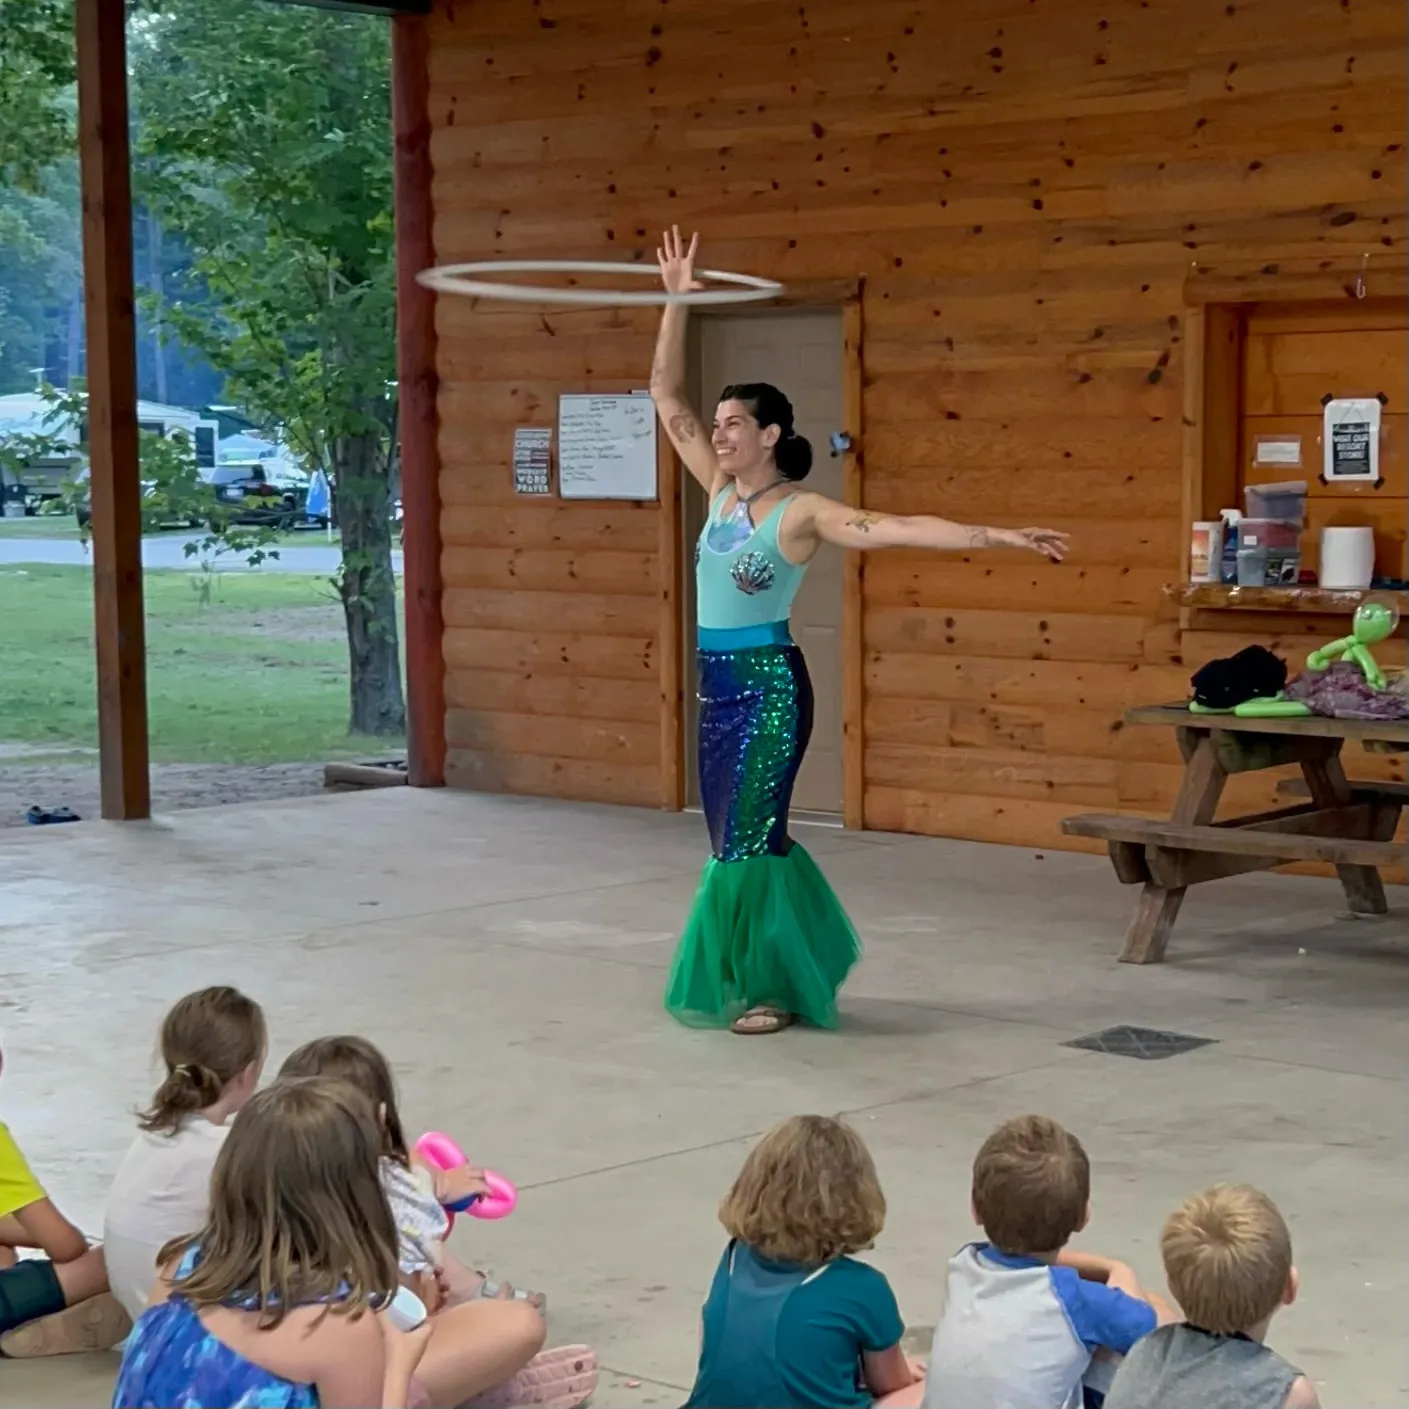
x=1350, y=825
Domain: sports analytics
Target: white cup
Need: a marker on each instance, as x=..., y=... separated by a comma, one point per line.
x=407, y=1310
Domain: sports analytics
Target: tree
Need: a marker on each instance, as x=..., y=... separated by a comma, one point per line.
x=37, y=64
x=263, y=138
x=41, y=281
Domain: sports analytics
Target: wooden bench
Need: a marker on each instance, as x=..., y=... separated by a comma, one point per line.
x=1177, y=854
x=1349, y=826
x=1361, y=792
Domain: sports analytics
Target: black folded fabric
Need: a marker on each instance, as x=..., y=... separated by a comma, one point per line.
x=1253, y=674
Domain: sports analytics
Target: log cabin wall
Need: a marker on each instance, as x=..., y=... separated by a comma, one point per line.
x=1025, y=187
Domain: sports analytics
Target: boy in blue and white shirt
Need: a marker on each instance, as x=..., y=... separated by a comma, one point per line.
x=1024, y=1319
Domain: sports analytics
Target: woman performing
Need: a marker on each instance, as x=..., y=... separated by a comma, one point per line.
x=767, y=942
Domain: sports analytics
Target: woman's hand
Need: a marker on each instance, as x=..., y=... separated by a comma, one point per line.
x=1047, y=541
x=677, y=262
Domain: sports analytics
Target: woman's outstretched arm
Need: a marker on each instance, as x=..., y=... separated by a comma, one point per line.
x=859, y=529
x=689, y=437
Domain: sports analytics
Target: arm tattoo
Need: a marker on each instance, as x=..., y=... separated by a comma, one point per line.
x=862, y=522
x=683, y=427
x=978, y=538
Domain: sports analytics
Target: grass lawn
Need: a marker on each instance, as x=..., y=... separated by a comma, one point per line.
x=41, y=526
x=256, y=675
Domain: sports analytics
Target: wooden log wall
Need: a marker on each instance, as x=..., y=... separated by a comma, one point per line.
x=1026, y=187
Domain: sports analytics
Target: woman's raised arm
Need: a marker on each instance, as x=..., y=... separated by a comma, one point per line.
x=687, y=434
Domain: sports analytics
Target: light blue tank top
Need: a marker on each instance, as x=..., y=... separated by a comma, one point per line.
x=742, y=579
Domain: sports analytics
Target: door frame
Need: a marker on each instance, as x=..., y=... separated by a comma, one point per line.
x=846, y=296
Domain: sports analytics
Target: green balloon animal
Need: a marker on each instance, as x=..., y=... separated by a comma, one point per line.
x=1373, y=622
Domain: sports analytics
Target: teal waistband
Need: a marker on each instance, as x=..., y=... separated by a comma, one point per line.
x=744, y=638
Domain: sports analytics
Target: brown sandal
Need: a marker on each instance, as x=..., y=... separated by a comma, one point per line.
x=762, y=1021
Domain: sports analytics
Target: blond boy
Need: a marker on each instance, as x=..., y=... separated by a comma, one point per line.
x=1228, y=1259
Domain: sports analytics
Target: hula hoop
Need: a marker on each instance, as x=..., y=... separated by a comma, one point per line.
x=452, y=279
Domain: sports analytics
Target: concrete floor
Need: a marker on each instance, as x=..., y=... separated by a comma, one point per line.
x=509, y=955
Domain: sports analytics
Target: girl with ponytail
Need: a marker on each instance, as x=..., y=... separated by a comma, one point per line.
x=213, y=1045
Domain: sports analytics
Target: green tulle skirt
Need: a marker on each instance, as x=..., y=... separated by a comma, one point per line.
x=766, y=930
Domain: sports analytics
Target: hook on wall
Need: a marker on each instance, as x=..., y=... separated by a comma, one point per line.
x=1360, y=289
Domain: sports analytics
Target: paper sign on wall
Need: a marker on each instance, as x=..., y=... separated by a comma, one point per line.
x=1352, y=439
x=606, y=447
x=1277, y=450
x=533, y=459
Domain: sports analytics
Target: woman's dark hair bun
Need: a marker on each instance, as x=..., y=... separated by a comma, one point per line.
x=769, y=407
x=793, y=455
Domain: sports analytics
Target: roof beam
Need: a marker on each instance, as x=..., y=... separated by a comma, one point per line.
x=370, y=7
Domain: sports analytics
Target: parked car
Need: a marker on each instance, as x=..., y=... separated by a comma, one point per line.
x=244, y=495
x=83, y=506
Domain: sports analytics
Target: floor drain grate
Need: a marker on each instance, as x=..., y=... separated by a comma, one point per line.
x=1145, y=1044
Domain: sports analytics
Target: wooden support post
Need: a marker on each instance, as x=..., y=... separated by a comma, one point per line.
x=115, y=478
x=417, y=418
x=853, y=661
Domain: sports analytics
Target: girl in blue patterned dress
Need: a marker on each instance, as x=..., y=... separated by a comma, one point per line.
x=767, y=943
x=272, y=1304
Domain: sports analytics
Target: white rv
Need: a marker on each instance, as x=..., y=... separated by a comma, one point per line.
x=45, y=478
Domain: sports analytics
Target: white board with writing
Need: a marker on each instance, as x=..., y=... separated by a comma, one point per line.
x=607, y=447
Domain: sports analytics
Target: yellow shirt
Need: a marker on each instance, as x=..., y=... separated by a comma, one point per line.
x=18, y=1186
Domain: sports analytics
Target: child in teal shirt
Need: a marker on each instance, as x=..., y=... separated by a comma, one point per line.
x=792, y=1320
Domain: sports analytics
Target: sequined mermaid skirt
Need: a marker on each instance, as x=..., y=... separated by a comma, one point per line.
x=765, y=927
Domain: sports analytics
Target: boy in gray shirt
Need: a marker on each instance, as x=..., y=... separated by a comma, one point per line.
x=1228, y=1259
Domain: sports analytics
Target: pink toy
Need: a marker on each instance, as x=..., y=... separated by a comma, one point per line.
x=441, y=1152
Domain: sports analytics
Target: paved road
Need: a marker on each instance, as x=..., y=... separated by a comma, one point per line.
x=167, y=551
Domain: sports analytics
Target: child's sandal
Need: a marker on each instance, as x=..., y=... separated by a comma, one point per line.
x=563, y=1378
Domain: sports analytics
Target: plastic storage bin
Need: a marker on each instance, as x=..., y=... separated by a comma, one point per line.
x=1285, y=501
x=1268, y=552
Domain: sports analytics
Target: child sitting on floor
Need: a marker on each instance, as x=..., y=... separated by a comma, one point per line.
x=1024, y=1317
x=464, y=1304
x=213, y=1045
x=268, y=1303
x=792, y=1319
x=59, y=1303
x=1228, y=1258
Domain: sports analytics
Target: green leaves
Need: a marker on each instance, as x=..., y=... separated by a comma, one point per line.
x=264, y=138
x=36, y=88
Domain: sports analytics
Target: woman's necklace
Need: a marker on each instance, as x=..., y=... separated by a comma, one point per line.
x=737, y=526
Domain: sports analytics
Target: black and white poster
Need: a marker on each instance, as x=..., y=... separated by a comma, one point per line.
x=533, y=459
x=1351, y=436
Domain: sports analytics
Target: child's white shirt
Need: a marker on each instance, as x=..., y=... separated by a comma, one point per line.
x=421, y=1223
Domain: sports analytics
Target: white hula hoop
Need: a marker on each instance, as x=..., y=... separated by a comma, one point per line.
x=454, y=279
